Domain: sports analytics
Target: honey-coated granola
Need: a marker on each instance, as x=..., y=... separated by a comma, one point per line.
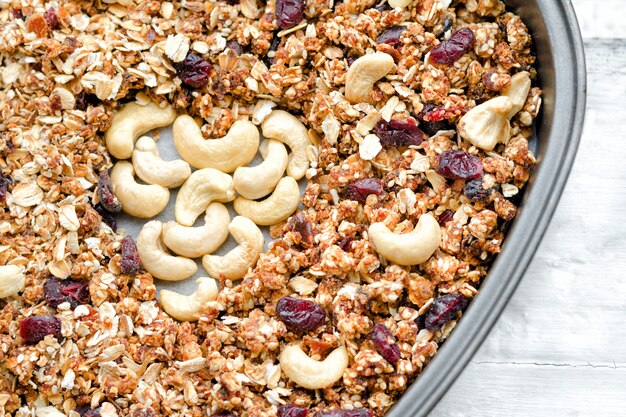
x=66, y=66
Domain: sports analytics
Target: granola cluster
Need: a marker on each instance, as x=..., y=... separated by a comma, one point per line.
x=67, y=65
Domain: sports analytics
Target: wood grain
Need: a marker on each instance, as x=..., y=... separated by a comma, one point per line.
x=559, y=347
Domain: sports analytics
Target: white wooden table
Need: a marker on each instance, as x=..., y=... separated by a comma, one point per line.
x=559, y=349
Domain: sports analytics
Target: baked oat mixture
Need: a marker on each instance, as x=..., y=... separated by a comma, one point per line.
x=433, y=124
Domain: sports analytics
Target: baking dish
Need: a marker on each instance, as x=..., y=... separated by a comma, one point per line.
x=562, y=76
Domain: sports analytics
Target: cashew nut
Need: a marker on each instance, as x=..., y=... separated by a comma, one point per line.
x=410, y=248
x=138, y=200
x=363, y=74
x=134, y=120
x=193, y=242
x=152, y=169
x=12, y=280
x=200, y=189
x=287, y=129
x=258, y=181
x=187, y=307
x=275, y=208
x=156, y=260
x=517, y=91
x=235, y=149
x=399, y=3
x=236, y=263
x=312, y=374
x=487, y=124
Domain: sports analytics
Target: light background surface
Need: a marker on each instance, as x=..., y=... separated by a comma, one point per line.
x=559, y=348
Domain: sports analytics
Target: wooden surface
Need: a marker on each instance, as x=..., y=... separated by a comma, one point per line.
x=559, y=349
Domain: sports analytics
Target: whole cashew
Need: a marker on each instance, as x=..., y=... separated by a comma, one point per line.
x=275, y=208
x=193, y=242
x=155, y=260
x=12, y=280
x=287, y=129
x=152, y=169
x=258, y=181
x=235, y=149
x=186, y=307
x=363, y=74
x=134, y=120
x=312, y=374
x=410, y=248
x=138, y=200
x=200, y=189
x=236, y=263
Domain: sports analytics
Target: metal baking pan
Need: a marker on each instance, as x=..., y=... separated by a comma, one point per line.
x=562, y=76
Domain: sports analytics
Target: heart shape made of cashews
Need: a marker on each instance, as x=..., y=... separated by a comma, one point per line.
x=235, y=149
x=309, y=373
x=188, y=307
x=411, y=248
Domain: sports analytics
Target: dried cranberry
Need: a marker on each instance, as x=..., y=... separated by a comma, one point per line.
x=105, y=193
x=398, y=133
x=224, y=414
x=107, y=217
x=233, y=2
x=385, y=343
x=289, y=12
x=84, y=100
x=4, y=185
x=291, y=410
x=300, y=314
x=391, y=36
x=359, y=190
x=86, y=411
x=194, y=70
x=234, y=45
x=361, y=412
x=448, y=52
x=17, y=14
x=432, y=119
x=445, y=217
x=443, y=309
x=474, y=190
x=300, y=224
x=130, y=263
x=345, y=243
x=459, y=165
x=57, y=291
x=33, y=329
x=51, y=18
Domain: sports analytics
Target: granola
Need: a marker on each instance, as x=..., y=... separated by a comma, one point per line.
x=68, y=65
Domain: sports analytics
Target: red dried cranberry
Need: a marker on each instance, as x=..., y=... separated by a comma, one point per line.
x=17, y=14
x=398, y=133
x=194, y=70
x=448, y=52
x=385, y=343
x=51, y=18
x=289, y=12
x=361, y=412
x=130, y=263
x=57, y=291
x=84, y=100
x=443, y=309
x=474, y=190
x=299, y=223
x=4, y=185
x=107, y=217
x=86, y=411
x=105, y=193
x=391, y=36
x=234, y=45
x=291, y=410
x=459, y=165
x=445, y=217
x=300, y=314
x=224, y=414
x=432, y=119
x=359, y=190
x=346, y=242
x=33, y=329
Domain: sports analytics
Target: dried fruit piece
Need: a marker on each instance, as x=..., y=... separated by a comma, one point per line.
x=448, y=52
x=443, y=309
x=130, y=263
x=300, y=315
x=234, y=45
x=459, y=165
x=291, y=410
x=398, y=133
x=57, y=291
x=385, y=343
x=105, y=193
x=86, y=411
x=391, y=36
x=107, y=217
x=432, y=119
x=299, y=223
x=51, y=18
x=224, y=414
x=194, y=70
x=33, y=329
x=4, y=185
x=445, y=217
x=359, y=190
x=474, y=190
x=289, y=12
x=361, y=412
